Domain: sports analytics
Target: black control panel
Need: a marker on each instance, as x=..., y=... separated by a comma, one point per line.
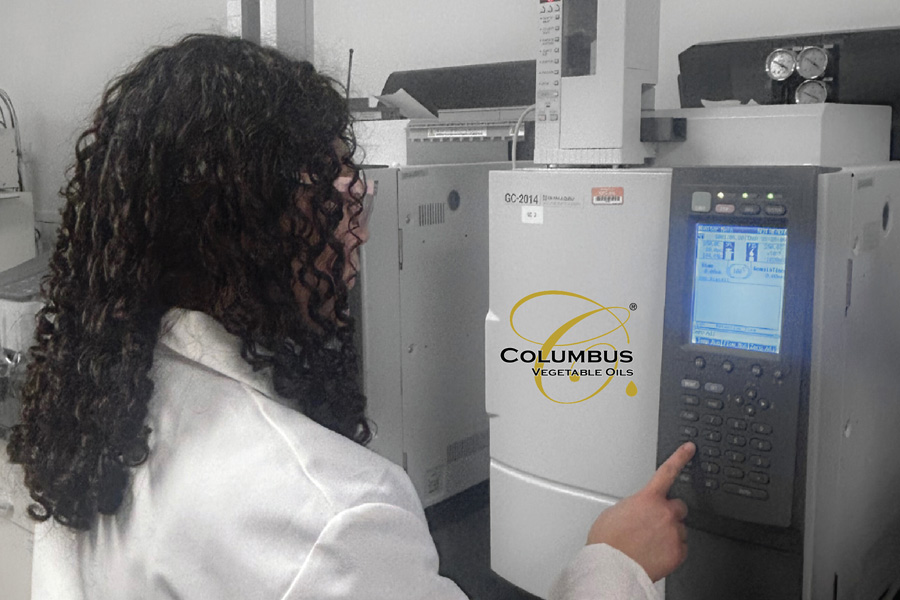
x=736, y=341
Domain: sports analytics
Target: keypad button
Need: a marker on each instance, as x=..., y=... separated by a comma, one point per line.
x=734, y=456
x=736, y=440
x=737, y=400
x=763, y=428
x=714, y=404
x=710, y=484
x=710, y=451
x=764, y=403
x=714, y=388
x=700, y=362
x=760, y=462
x=690, y=384
x=688, y=431
x=728, y=366
x=776, y=210
x=751, y=393
x=691, y=400
x=761, y=445
x=739, y=424
x=779, y=374
x=689, y=415
x=712, y=436
x=749, y=410
x=709, y=467
x=685, y=478
x=760, y=478
x=734, y=473
x=740, y=490
x=750, y=209
x=701, y=202
x=712, y=420
x=756, y=371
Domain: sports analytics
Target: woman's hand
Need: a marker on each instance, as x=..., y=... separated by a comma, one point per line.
x=648, y=527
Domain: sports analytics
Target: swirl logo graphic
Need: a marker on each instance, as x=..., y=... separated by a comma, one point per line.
x=571, y=360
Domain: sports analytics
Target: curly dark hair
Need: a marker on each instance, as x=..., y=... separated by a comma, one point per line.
x=205, y=181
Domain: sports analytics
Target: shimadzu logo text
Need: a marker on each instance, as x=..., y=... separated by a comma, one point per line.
x=568, y=363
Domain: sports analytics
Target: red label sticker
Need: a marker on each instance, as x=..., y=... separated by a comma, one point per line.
x=608, y=195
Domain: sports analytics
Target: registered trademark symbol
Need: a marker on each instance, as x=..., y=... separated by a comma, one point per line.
x=632, y=306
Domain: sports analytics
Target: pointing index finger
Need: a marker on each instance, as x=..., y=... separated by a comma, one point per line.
x=665, y=475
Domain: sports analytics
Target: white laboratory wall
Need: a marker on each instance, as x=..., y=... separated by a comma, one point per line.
x=56, y=56
x=388, y=36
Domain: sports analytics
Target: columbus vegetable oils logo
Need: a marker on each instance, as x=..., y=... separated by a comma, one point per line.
x=571, y=348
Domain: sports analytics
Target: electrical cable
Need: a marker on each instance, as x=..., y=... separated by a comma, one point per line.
x=515, y=132
x=349, y=69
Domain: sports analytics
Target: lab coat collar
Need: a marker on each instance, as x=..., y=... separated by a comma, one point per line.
x=201, y=339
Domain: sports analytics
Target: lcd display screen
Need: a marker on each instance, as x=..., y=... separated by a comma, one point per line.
x=738, y=287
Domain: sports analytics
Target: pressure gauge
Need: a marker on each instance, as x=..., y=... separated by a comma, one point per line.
x=812, y=62
x=780, y=64
x=812, y=91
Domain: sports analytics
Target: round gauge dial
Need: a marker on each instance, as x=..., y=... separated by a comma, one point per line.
x=780, y=64
x=812, y=62
x=812, y=91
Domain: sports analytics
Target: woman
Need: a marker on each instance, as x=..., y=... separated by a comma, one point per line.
x=192, y=423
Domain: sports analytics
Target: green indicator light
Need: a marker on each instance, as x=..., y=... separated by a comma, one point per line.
x=721, y=195
x=745, y=195
x=771, y=196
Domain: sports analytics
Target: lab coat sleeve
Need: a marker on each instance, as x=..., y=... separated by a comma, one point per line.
x=383, y=552
x=600, y=572
x=373, y=551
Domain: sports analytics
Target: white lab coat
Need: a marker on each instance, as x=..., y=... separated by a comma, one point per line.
x=242, y=497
